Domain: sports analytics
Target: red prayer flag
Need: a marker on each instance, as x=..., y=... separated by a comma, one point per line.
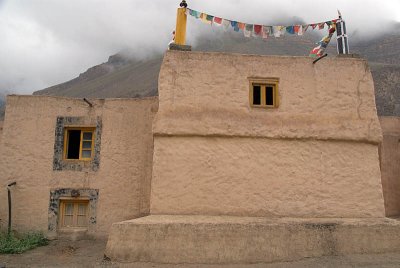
x=257, y=29
x=316, y=52
x=217, y=20
x=296, y=28
x=313, y=26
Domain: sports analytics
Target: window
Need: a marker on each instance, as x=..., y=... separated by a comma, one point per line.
x=264, y=92
x=74, y=213
x=78, y=143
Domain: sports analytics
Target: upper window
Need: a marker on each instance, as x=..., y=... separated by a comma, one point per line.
x=78, y=143
x=264, y=92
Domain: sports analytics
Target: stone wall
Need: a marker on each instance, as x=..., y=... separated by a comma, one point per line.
x=390, y=163
x=316, y=155
x=118, y=186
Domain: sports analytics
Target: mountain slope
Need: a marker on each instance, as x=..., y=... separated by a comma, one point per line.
x=2, y=106
x=383, y=48
x=117, y=78
x=387, y=88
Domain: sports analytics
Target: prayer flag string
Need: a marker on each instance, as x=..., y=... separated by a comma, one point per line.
x=258, y=29
x=265, y=31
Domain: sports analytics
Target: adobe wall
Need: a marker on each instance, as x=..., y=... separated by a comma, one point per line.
x=119, y=183
x=390, y=163
x=314, y=156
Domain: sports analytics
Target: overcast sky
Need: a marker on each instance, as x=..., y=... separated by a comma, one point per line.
x=46, y=42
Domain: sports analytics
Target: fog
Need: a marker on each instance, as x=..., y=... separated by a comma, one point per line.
x=46, y=42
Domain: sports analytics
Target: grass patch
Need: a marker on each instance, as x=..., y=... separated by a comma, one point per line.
x=16, y=244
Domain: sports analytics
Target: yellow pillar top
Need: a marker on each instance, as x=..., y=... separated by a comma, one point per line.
x=181, y=19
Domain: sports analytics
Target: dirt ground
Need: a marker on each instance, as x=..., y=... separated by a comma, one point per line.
x=89, y=253
x=59, y=253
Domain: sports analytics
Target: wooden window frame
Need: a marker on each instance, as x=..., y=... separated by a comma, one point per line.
x=76, y=202
x=83, y=130
x=263, y=83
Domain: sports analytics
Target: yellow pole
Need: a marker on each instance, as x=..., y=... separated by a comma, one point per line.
x=180, y=31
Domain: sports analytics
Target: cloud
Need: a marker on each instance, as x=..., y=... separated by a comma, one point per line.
x=46, y=42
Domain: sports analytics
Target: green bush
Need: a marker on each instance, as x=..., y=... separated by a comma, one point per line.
x=15, y=244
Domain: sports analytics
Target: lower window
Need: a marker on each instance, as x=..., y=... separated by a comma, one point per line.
x=74, y=213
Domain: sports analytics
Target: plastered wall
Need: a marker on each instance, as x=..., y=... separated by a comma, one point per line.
x=265, y=177
x=390, y=163
x=316, y=155
x=122, y=179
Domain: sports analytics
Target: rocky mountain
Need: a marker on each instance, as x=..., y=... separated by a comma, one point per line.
x=387, y=88
x=2, y=106
x=121, y=76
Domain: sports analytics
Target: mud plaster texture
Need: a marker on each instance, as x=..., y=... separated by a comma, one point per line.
x=27, y=154
x=230, y=240
x=390, y=164
x=316, y=155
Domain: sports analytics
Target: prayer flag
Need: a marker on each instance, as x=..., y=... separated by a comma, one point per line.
x=203, y=17
x=210, y=19
x=217, y=20
x=282, y=29
x=316, y=52
x=323, y=44
x=276, y=31
x=321, y=26
x=226, y=24
x=235, y=26
x=313, y=26
x=248, y=30
x=241, y=25
x=290, y=29
x=194, y=13
x=257, y=29
x=300, y=32
x=266, y=31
